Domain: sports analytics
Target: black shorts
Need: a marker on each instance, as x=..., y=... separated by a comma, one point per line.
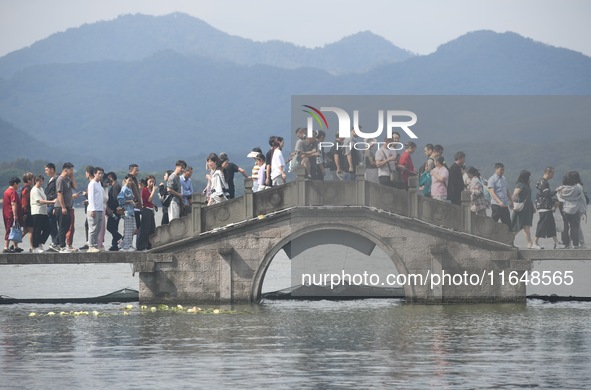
x=28, y=221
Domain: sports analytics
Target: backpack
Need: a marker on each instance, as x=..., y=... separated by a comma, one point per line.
x=425, y=182
x=485, y=191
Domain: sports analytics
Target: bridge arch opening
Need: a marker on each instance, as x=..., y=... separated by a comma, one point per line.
x=330, y=262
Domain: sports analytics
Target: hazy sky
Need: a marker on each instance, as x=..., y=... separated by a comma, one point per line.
x=416, y=25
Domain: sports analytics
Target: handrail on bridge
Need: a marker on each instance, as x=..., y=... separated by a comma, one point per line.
x=303, y=193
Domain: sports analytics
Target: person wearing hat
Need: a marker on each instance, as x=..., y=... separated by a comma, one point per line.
x=254, y=175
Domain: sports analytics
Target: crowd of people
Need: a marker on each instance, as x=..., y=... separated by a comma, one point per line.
x=47, y=212
x=44, y=212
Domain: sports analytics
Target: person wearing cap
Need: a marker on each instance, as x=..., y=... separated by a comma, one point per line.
x=11, y=211
x=254, y=175
x=229, y=169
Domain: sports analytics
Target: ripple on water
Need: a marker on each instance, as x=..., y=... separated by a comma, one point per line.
x=301, y=344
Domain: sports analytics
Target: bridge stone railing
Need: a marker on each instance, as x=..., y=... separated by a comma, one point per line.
x=305, y=193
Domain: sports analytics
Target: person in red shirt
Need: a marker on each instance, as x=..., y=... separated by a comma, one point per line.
x=11, y=211
x=26, y=217
x=405, y=164
x=148, y=226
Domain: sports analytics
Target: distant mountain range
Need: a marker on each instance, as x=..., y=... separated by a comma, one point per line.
x=135, y=37
x=144, y=89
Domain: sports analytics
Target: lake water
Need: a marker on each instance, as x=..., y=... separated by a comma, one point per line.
x=280, y=344
x=291, y=344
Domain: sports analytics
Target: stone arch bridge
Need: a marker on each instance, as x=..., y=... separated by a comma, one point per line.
x=221, y=253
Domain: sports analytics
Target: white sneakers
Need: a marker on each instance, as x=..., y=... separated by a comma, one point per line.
x=93, y=249
x=556, y=246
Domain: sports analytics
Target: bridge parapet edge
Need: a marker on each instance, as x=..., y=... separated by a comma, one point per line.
x=303, y=192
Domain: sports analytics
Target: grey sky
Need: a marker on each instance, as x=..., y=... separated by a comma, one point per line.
x=416, y=25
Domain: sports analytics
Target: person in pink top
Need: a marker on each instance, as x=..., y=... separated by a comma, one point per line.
x=439, y=179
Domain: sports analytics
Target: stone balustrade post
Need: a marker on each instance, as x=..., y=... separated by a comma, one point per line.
x=248, y=199
x=413, y=196
x=466, y=213
x=198, y=202
x=360, y=185
x=301, y=186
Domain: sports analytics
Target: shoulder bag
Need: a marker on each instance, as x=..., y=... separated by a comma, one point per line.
x=167, y=200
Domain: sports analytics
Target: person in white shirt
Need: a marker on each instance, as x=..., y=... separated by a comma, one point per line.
x=278, y=163
x=219, y=187
x=261, y=174
x=96, y=210
x=39, y=204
